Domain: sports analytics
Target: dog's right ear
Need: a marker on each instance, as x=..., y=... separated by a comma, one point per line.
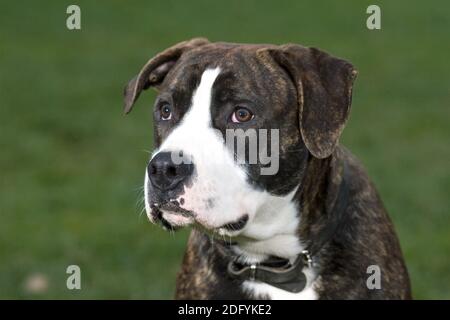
x=155, y=70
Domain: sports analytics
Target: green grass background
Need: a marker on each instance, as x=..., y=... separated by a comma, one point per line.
x=71, y=165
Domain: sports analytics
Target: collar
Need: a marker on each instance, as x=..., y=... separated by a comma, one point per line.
x=280, y=272
x=277, y=272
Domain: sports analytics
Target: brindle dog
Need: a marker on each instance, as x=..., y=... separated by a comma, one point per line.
x=320, y=207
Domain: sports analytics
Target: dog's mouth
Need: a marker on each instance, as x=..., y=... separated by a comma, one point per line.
x=237, y=225
x=170, y=215
x=173, y=217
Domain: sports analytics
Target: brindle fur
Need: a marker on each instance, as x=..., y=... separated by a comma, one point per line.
x=306, y=94
x=365, y=237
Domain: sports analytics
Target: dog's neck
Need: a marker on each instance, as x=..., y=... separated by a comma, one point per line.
x=273, y=232
x=286, y=226
x=323, y=187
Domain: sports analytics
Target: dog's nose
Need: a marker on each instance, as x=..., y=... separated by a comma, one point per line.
x=165, y=174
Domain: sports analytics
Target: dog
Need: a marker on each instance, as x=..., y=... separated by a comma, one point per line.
x=314, y=229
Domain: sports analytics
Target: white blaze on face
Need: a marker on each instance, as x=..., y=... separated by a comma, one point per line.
x=219, y=193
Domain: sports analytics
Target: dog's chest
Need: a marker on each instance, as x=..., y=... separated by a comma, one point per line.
x=259, y=290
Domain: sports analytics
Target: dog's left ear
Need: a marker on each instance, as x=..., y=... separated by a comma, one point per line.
x=156, y=69
x=324, y=89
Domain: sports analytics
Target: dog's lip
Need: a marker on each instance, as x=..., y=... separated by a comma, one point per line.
x=237, y=225
x=170, y=215
x=156, y=216
x=176, y=219
x=174, y=208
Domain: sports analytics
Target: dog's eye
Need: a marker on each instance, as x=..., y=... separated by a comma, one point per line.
x=166, y=112
x=241, y=114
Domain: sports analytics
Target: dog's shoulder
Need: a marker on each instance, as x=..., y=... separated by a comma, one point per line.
x=365, y=240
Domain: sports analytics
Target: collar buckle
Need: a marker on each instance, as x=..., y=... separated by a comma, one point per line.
x=307, y=259
x=252, y=276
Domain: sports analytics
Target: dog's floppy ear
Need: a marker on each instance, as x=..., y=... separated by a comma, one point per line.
x=324, y=88
x=155, y=70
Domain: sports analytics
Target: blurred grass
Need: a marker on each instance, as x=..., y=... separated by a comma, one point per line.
x=72, y=165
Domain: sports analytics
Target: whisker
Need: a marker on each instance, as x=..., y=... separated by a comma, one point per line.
x=141, y=212
x=147, y=151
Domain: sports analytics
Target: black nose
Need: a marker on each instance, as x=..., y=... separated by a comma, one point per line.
x=165, y=174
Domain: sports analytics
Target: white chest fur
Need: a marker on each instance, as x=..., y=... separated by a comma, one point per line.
x=263, y=290
x=276, y=234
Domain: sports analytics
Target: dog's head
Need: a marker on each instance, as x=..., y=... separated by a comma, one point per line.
x=286, y=103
